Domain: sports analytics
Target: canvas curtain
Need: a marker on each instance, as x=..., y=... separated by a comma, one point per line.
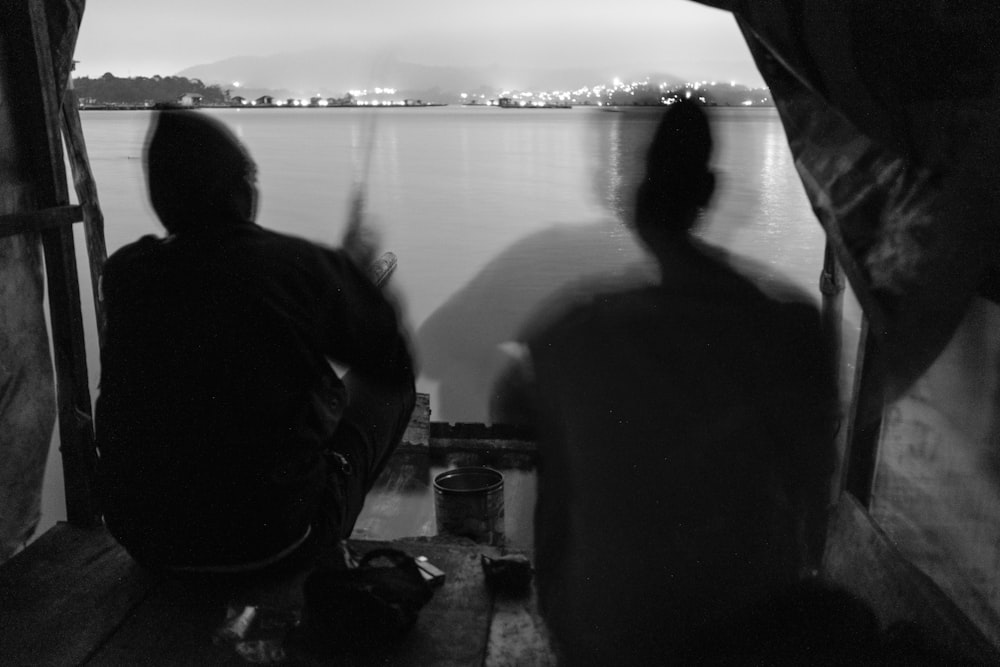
x=891, y=111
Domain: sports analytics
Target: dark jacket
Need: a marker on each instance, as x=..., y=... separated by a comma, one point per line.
x=216, y=390
x=685, y=443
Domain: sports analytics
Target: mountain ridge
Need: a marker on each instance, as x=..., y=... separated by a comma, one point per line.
x=333, y=72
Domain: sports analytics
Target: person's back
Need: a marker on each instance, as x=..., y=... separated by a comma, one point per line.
x=217, y=400
x=684, y=443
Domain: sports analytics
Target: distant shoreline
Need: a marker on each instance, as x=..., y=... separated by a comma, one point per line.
x=608, y=107
x=143, y=107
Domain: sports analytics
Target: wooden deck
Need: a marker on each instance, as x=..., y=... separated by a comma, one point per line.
x=76, y=598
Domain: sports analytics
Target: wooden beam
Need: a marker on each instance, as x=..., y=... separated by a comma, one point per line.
x=501, y=438
x=864, y=423
x=86, y=193
x=76, y=431
x=831, y=287
x=22, y=223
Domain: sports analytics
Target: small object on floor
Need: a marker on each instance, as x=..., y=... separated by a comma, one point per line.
x=510, y=574
x=256, y=633
x=372, y=604
x=431, y=574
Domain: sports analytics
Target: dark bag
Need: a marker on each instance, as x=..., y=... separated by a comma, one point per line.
x=371, y=604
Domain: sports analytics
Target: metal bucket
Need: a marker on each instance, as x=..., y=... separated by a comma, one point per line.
x=469, y=502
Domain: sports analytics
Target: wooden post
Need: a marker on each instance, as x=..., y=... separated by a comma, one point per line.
x=859, y=440
x=72, y=382
x=86, y=193
x=831, y=287
x=864, y=424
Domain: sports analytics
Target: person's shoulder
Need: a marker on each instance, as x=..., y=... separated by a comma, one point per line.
x=138, y=251
x=287, y=239
x=304, y=251
x=142, y=245
x=763, y=286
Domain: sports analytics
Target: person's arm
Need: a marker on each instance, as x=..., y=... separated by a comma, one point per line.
x=365, y=330
x=512, y=399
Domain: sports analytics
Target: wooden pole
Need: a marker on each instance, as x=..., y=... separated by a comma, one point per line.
x=864, y=423
x=831, y=287
x=72, y=382
x=86, y=193
x=859, y=440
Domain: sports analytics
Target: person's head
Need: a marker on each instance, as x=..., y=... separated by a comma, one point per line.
x=678, y=182
x=198, y=172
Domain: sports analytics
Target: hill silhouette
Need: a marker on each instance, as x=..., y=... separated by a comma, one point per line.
x=332, y=71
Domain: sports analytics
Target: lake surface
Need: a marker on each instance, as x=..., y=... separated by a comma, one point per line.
x=488, y=210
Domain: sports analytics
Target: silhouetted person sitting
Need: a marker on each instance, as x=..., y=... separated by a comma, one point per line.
x=227, y=442
x=685, y=435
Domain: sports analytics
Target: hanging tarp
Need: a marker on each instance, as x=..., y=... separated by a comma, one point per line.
x=892, y=114
x=27, y=396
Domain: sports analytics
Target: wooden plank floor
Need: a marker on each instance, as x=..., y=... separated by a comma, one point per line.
x=75, y=597
x=176, y=623
x=64, y=595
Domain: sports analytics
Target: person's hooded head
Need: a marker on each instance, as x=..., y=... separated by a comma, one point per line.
x=199, y=174
x=678, y=182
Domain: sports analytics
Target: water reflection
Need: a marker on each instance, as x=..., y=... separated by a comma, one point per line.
x=621, y=138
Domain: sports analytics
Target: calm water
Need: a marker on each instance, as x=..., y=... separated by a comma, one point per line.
x=489, y=210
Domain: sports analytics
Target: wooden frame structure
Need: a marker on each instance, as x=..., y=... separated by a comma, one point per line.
x=41, y=84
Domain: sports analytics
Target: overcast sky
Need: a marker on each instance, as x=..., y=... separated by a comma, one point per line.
x=130, y=38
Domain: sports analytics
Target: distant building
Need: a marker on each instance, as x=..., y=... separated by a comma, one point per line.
x=264, y=101
x=346, y=101
x=190, y=100
x=237, y=101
